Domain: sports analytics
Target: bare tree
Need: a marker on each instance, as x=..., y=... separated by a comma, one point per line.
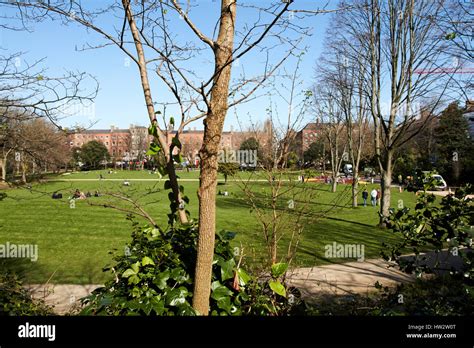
x=146, y=30
x=346, y=71
x=33, y=144
x=455, y=25
x=330, y=117
x=402, y=47
x=297, y=101
x=29, y=91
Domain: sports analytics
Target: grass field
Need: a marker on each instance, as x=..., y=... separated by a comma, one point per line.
x=74, y=243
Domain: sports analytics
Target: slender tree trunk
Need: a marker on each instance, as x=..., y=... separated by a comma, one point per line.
x=213, y=125
x=23, y=172
x=334, y=183
x=273, y=243
x=3, y=166
x=355, y=186
x=160, y=137
x=386, y=184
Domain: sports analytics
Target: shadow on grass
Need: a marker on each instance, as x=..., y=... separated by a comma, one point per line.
x=36, y=273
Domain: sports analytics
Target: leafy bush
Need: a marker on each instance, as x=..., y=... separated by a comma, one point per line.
x=447, y=225
x=435, y=227
x=154, y=276
x=16, y=300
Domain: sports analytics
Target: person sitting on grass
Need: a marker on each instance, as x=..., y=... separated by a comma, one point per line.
x=77, y=194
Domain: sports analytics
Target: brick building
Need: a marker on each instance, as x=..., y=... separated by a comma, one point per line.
x=305, y=137
x=132, y=143
x=117, y=141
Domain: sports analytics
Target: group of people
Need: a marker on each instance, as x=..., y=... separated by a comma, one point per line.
x=81, y=195
x=375, y=196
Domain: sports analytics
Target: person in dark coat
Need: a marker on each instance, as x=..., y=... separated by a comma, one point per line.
x=365, y=195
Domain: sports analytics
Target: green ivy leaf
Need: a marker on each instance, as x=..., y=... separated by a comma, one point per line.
x=221, y=293
x=158, y=305
x=278, y=269
x=132, y=270
x=225, y=304
x=153, y=149
x=177, y=296
x=134, y=279
x=186, y=309
x=244, y=278
x=152, y=130
x=161, y=279
x=147, y=261
x=277, y=287
x=129, y=272
x=227, y=269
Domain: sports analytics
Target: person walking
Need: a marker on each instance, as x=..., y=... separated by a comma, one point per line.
x=373, y=197
x=365, y=195
x=379, y=195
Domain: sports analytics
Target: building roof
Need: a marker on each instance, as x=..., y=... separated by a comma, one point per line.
x=101, y=131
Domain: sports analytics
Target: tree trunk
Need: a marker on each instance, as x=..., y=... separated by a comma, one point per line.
x=355, y=187
x=23, y=172
x=175, y=189
x=160, y=136
x=386, y=184
x=213, y=125
x=3, y=166
x=334, y=183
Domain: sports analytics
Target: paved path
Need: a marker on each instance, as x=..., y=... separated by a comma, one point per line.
x=63, y=297
x=337, y=279
x=345, y=278
x=340, y=279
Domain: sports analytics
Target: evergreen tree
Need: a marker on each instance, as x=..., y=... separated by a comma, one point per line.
x=454, y=146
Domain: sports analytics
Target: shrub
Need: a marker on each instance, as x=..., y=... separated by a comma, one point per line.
x=16, y=300
x=154, y=276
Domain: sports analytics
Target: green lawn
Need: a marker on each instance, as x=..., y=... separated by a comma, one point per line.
x=74, y=243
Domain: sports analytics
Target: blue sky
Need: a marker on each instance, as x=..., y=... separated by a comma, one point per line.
x=120, y=99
